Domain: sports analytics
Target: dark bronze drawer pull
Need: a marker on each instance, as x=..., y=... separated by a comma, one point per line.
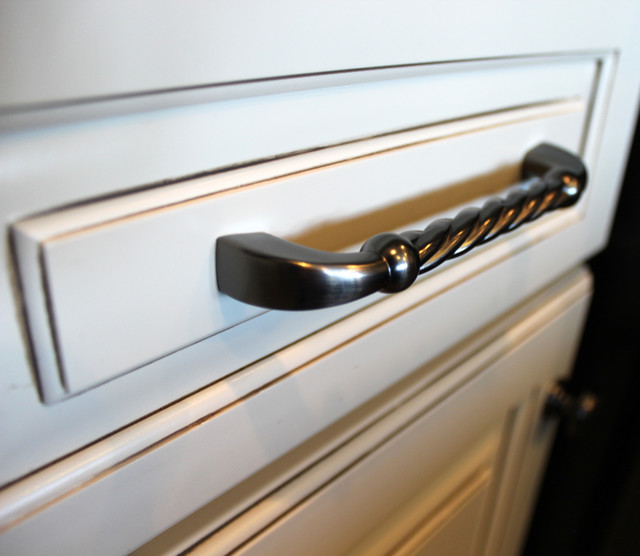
x=263, y=270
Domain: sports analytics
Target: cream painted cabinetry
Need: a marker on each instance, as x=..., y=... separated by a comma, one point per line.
x=449, y=465
x=141, y=409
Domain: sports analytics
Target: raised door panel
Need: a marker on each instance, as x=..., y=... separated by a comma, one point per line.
x=457, y=535
x=424, y=467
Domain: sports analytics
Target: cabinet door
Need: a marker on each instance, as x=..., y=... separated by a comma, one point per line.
x=453, y=470
x=460, y=527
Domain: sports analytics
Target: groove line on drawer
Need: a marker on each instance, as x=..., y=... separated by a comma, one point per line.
x=26, y=115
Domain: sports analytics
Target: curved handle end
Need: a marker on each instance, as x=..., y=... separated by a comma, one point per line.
x=264, y=270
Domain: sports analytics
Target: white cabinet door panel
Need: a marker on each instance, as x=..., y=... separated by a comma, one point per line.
x=411, y=487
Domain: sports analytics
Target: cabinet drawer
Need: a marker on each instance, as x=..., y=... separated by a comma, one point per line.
x=113, y=286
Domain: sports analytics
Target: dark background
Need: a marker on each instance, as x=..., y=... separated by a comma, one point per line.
x=590, y=499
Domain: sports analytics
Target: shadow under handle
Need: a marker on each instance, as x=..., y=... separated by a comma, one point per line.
x=264, y=270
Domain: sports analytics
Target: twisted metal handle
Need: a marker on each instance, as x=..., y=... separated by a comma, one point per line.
x=263, y=270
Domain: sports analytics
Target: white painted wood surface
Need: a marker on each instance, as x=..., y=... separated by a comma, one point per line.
x=361, y=501
x=65, y=138
x=53, y=157
x=526, y=475
x=451, y=534
x=377, y=500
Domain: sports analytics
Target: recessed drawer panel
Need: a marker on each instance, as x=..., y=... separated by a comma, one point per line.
x=115, y=285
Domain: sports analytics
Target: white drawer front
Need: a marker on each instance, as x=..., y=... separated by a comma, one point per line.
x=113, y=286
